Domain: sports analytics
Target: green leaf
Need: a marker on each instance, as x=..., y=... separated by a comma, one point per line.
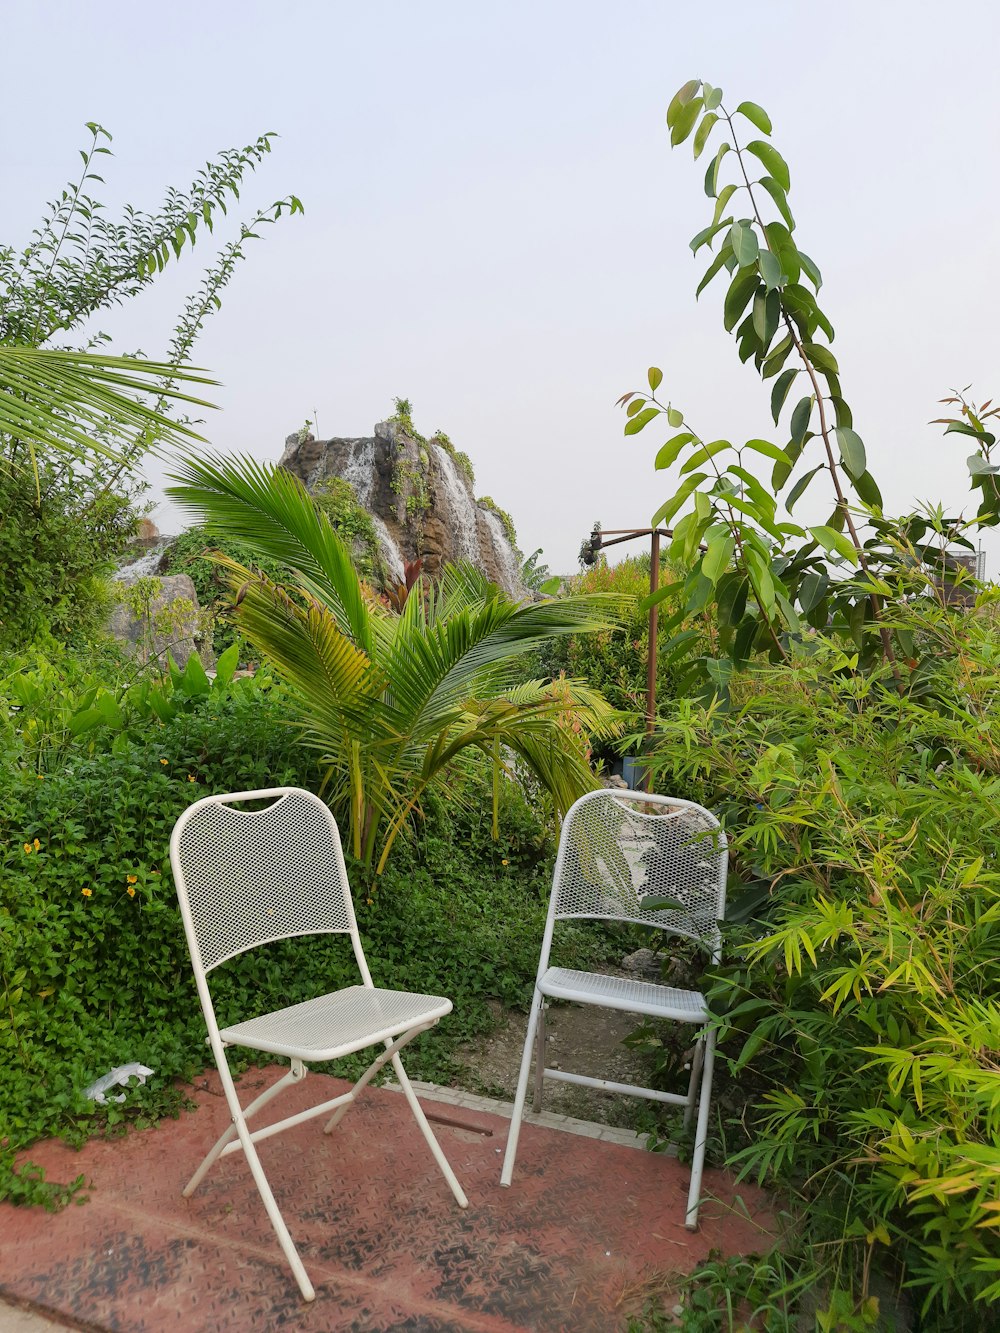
x=868, y=490
x=634, y=406
x=770, y=269
x=712, y=174
x=779, y=240
x=800, y=486
x=717, y=557
x=766, y=448
x=680, y=99
x=812, y=590
x=749, y=344
x=741, y=289
x=663, y=594
x=703, y=454
x=761, y=577
x=756, y=115
x=732, y=594
x=655, y=377
x=643, y=419
x=713, y=97
x=835, y=542
x=776, y=358
x=766, y=313
x=774, y=164
x=669, y=452
x=780, y=392
x=841, y=411
x=706, y=234
x=782, y=469
x=765, y=502
x=195, y=680
x=821, y=357
x=704, y=130
x=852, y=451
x=666, y=511
x=227, y=664
x=711, y=271
x=675, y=418
x=725, y=194
x=780, y=199
x=800, y=419
x=743, y=239
x=811, y=270
x=685, y=121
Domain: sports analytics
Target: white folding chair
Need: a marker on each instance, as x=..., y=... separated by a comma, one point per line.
x=248, y=877
x=654, y=861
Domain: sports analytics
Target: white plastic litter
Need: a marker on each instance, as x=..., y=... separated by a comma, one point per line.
x=117, y=1078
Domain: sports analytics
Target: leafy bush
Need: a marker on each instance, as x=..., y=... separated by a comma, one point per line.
x=59, y=536
x=94, y=970
x=864, y=1003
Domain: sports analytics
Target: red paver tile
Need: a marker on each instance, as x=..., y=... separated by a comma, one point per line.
x=374, y=1221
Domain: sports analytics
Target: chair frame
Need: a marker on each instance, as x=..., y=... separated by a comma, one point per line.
x=703, y=1059
x=238, y=1137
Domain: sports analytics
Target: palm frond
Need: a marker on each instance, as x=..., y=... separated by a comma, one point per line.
x=434, y=667
x=270, y=511
x=69, y=401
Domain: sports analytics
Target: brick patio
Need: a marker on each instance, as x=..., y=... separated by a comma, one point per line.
x=588, y=1219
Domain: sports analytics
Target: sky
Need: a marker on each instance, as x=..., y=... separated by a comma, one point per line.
x=496, y=227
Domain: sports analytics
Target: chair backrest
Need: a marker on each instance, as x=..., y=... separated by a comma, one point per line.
x=654, y=860
x=251, y=877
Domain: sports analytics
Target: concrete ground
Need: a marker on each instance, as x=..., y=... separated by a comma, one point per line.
x=589, y=1222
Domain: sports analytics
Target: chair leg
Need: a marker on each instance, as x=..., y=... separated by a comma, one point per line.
x=701, y=1133
x=274, y=1213
x=536, y=1103
x=294, y=1075
x=267, y=1197
x=522, y=1089
x=696, y=1063
x=428, y=1133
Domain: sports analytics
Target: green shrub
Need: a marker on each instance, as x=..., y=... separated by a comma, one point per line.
x=58, y=544
x=94, y=970
x=864, y=1002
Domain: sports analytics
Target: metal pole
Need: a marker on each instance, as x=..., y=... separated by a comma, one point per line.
x=654, y=610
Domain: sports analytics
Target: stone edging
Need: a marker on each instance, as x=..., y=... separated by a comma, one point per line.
x=470, y=1101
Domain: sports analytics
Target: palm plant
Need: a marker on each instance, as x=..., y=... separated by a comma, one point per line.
x=69, y=403
x=387, y=700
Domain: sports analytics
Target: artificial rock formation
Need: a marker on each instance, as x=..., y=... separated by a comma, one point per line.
x=419, y=497
x=165, y=620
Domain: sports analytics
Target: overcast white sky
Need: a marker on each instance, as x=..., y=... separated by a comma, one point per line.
x=497, y=228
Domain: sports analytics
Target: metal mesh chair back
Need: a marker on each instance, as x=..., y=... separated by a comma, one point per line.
x=653, y=860
x=250, y=877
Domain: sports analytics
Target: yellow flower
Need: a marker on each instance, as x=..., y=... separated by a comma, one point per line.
x=505, y=862
x=87, y=893
x=163, y=761
x=39, y=777
x=37, y=845
x=192, y=778
x=27, y=847
x=130, y=891
x=131, y=879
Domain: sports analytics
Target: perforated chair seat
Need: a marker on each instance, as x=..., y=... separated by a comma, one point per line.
x=331, y=1026
x=634, y=997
